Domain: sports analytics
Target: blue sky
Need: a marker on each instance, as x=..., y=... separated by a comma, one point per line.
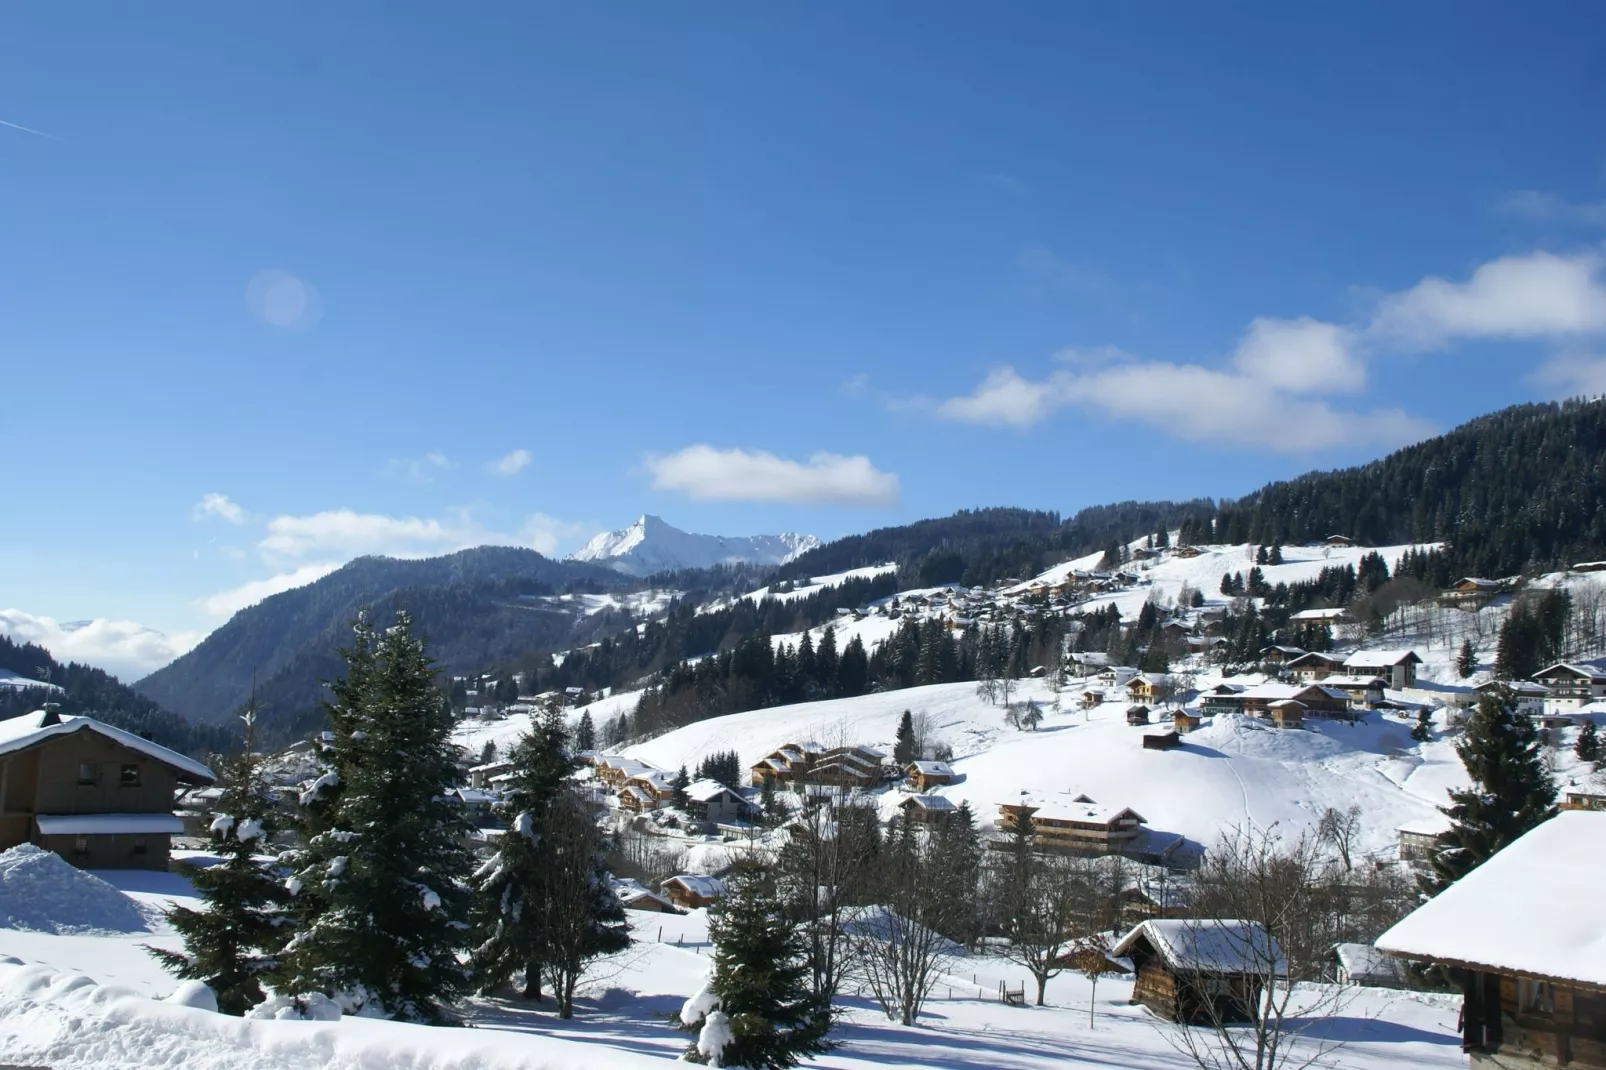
x=282, y=285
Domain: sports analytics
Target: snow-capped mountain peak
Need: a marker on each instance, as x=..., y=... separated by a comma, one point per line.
x=650, y=545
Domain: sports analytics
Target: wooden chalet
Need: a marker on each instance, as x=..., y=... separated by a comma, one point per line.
x=1147, y=687
x=1365, y=692
x=1286, y=713
x=1533, y=980
x=1337, y=541
x=709, y=800
x=846, y=767
x=1275, y=657
x=1419, y=840
x=691, y=892
x=1203, y=971
x=100, y=797
x=1314, y=666
x=1583, y=800
x=1185, y=722
x=927, y=809
x=615, y=771
x=1571, y=684
x=925, y=775
x=786, y=764
x=1315, y=700
x=1091, y=699
x=1161, y=740
x=647, y=790
x=634, y=896
x=1080, y=826
x=1396, y=667
x=1363, y=964
x=1137, y=716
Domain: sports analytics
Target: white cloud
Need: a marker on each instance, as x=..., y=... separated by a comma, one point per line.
x=279, y=298
x=347, y=534
x=1004, y=399
x=751, y=476
x=418, y=469
x=1300, y=356
x=220, y=506
x=1571, y=375
x=121, y=647
x=1533, y=296
x=510, y=465
x=1549, y=208
x=227, y=603
x=546, y=534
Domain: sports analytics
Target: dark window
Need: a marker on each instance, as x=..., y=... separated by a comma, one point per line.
x=80, y=845
x=130, y=775
x=86, y=772
x=139, y=845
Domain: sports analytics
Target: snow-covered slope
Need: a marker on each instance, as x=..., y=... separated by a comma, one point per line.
x=650, y=545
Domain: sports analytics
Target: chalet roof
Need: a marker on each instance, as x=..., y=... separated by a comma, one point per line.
x=1290, y=651
x=1516, y=687
x=694, y=884
x=928, y=802
x=1481, y=584
x=31, y=729
x=1473, y=924
x=1366, y=658
x=1363, y=963
x=1208, y=945
x=108, y=824
x=1154, y=679
x=635, y=793
x=1315, y=657
x=925, y=768
x=1081, y=809
x=630, y=891
x=1571, y=668
x=630, y=767
x=1334, y=613
x=657, y=779
x=1352, y=681
x=1286, y=704
x=470, y=796
x=707, y=791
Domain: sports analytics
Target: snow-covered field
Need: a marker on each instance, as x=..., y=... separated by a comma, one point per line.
x=79, y=1002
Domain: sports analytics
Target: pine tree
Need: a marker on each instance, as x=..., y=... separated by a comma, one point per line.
x=1275, y=557
x=1261, y=557
x=760, y=979
x=1511, y=792
x=585, y=734
x=1587, y=747
x=507, y=916
x=1422, y=731
x=1466, y=662
x=234, y=942
x=903, y=751
x=682, y=781
x=380, y=882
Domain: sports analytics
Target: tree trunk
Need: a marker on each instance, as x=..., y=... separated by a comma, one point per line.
x=1042, y=983
x=532, y=981
x=1092, y=1001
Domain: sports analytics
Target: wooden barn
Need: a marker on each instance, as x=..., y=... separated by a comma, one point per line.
x=1533, y=981
x=690, y=892
x=1205, y=970
x=1185, y=722
x=1137, y=715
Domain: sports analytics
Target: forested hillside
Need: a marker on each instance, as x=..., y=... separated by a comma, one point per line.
x=93, y=693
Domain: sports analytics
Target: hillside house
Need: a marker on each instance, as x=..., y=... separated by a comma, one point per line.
x=1526, y=696
x=1312, y=667
x=927, y=808
x=1091, y=699
x=1161, y=740
x=1583, y=800
x=1185, y=722
x=709, y=800
x=100, y=797
x=1338, y=541
x=477, y=804
x=1258, y=700
x=1275, y=657
x=1363, y=964
x=1116, y=675
x=479, y=776
x=1365, y=692
x=1148, y=687
x=1533, y=981
x=1329, y=616
x=1286, y=713
x=925, y=775
x=1396, y=667
x=786, y=764
x=1201, y=971
x=614, y=771
x=850, y=766
x=1572, y=684
x=1186, y=552
x=1420, y=839
x=1080, y=826
x=692, y=892
x=634, y=896
x=1137, y=716
x=1088, y=662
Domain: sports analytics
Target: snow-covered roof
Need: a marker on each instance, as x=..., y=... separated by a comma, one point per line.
x=1211, y=945
x=925, y=768
x=656, y=778
x=695, y=884
x=1564, y=668
x=1154, y=679
x=1084, y=811
x=1319, y=614
x=1516, y=687
x=1425, y=826
x=929, y=802
x=107, y=824
x=1352, y=681
x=707, y=790
x=20, y=733
x=1478, y=922
x=475, y=795
x=1363, y=962
x=1363, y=658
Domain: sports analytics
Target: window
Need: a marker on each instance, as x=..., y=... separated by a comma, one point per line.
x=86, y=772
x=139, y=845
x=129, y=778
x=1536, y=996
x=80, y=845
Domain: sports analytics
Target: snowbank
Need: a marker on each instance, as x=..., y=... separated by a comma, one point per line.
x=42, y=892
x=67, y=1022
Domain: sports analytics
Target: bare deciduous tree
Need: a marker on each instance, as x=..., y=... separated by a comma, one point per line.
x=1041, y=903
x=1338, y=829
x=899, y=944
x=826, y=864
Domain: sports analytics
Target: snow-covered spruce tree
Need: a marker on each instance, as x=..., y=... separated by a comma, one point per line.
x=756, y=1010
x=234, y=941
x=1587, y=747
x=379, y=883
x=1511, y=792
x=510, y=890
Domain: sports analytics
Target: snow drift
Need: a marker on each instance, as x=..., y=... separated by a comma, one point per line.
x=42, y=892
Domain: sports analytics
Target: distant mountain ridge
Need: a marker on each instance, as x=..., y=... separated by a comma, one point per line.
x=650, y=545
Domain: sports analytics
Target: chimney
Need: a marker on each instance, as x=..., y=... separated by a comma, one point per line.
x=50, y=715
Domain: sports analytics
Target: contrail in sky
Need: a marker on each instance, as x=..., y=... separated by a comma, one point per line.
x=29, y=130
